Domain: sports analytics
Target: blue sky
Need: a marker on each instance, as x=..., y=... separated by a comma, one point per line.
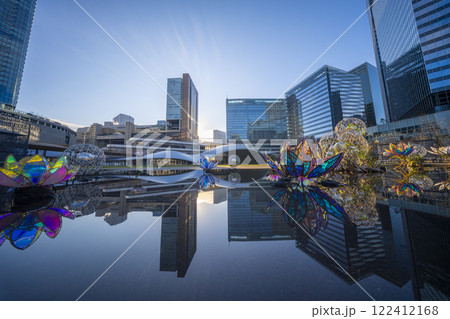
x=252, y=48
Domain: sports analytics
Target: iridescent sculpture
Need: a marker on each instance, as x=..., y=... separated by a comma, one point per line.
x=302, y=163
x=308, y=206
x=35, y=171
x=207, y=163
x=410, y=157
x=401, y=150
x=23, y=229
x=88, y=158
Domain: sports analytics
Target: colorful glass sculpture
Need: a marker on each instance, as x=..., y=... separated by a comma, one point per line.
x=34, y=171
x=302, y=162
x=23, y=229
x=208, y=163
x=308, y=206
x=399, y=150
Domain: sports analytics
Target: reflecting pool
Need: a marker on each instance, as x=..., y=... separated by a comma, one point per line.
x=225, y=236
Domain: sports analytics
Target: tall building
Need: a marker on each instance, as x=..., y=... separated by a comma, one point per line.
x=255, y=119
x=373, y=102
x=16, y=18
x=182, y=108
x=315, y=105
x=412, y=53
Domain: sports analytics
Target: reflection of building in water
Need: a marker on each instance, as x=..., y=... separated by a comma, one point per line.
x=179, y=235
x=220, y=195
x=178, y=224
x=361, y=251
x=249, y=220
x=428, y=242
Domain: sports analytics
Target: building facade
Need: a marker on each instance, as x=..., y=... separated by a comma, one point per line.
x=16, y=18
x=41, y=133
x=255, y=119
x=182, y=108
x=373, y=102
x=412, y=55
x=315, y=105
x=122, y=119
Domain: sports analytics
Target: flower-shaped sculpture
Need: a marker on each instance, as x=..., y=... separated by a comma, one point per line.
x=302, y=163
x=401, y=150
x=207, y=163
x=410, y=157
x=34, y=171
x=309, y=206
x=23, y=229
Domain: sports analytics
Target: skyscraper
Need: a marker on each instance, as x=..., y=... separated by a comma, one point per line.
x=412, y=54
x=255, y=119
x=315, y=105
x=16, y=18
x=373, y=103
x=182, y=108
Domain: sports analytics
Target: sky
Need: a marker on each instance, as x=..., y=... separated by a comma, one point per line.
x=231, y=48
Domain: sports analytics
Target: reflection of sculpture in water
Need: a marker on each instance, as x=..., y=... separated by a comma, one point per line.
x=411, y=185
x=309, y=206
x=23, y=225
x=207, y=181
x=81, y=199
x=358, y=198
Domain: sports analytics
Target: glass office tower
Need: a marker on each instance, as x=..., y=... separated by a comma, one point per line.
x=255, y=119
x=182, y=108
x=16, y=18
x=317, y=104
x=373, y=103
x=412, y=53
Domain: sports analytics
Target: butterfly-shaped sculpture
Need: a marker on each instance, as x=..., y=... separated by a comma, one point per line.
x=207, y=163
x=23, y=229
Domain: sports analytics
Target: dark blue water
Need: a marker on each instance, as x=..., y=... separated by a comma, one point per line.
x=225, y=244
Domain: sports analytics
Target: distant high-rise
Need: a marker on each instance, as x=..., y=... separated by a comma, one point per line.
x=182, y=108
x=373, y=103
x=16, y=18
x=411, y=44
x=123, y=119
x=255, y=119
x=318, y=103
